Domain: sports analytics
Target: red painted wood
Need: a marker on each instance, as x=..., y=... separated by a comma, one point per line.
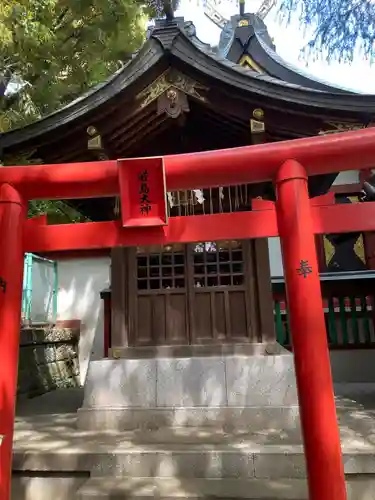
x=90, y=235
x=259, y=204
x=77, y=254
x=40, y=219
x=319, y=154
x=141, y=183
x=344, y=218
x=12, y=215
x=320, y=431
x=241, y=225
x=324, y=199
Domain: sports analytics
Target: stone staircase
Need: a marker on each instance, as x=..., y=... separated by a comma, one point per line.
x=54, y=459
x=138, y=435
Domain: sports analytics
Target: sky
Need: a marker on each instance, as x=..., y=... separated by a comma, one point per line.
x=359, y=76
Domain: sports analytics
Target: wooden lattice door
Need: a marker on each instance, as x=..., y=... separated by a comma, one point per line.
x=201, y=293
x=161, y=309
x=219, y=292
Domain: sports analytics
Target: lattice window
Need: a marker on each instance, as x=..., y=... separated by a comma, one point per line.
x=218, y=264
x=161, y=267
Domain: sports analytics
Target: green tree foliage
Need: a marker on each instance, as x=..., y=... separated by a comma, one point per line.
x=57, y=211
x=57, y=49
x=52, y=51
x=340, y=28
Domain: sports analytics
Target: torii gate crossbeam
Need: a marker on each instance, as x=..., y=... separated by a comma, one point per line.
x=247, y=164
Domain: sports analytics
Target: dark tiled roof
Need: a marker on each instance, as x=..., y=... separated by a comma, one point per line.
x=176, y=41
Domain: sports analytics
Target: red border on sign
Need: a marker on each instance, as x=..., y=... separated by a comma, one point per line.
x=154, y=213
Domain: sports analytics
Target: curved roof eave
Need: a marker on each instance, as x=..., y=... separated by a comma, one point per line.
x=148, y=56
x=247, y=80
x=207, y=63
x=306, y=79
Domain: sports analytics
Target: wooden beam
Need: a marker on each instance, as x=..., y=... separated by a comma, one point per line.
x=328, y=219
x=248, y=164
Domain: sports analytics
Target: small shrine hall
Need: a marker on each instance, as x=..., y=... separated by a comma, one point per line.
x=179, y=95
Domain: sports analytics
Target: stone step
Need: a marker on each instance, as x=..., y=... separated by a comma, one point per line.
x=225, y=489
x=225, y=462
x=184, y=452
x=254, y=489
x=189, y=461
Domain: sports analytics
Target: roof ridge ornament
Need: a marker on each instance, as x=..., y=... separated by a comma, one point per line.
x=169, y=8
x=242, y=7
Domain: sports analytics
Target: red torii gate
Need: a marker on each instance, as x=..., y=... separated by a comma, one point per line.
x=295, y=219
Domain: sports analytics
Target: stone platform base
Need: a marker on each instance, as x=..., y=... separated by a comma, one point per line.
x=221, y=391
x=255, y=418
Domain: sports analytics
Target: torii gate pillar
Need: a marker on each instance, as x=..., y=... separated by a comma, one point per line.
x=309, y=338
x=12, y=217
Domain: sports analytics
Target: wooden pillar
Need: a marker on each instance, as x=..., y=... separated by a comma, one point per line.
x=320, y=431
x=119, y=298
x=262, y=290
x=12, y=216
x=106, y=298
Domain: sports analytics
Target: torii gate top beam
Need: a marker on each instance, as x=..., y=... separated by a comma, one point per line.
x=250, y=164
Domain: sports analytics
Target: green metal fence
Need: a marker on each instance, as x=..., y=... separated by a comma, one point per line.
x=349, y=322
x=40, y=286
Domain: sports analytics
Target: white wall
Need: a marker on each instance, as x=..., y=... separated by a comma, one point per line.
x=42, y=291
x=80, y=284
x=348, y=177
x=276, y=262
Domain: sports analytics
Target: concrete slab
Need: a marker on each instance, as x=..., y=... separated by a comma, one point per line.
x=162, y=488
x=53, y=443
x=261, y=381
x=252, y=489
x=129, y=383
x=191, y=382
x=62, y=487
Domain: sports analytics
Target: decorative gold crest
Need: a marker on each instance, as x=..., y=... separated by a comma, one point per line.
x=337, y=127
x=247, y=62
x=168, y=80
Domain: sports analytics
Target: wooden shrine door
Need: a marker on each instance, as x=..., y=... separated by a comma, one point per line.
x=203, y=293
x=220, y=292
x=160, y=299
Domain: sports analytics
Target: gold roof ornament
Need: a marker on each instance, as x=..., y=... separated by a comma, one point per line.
x=247, y=62
x=258, y=114
x=95, y=141
x=173, y=103
x=257, y=125
x=171, y=79
x=338, y=127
